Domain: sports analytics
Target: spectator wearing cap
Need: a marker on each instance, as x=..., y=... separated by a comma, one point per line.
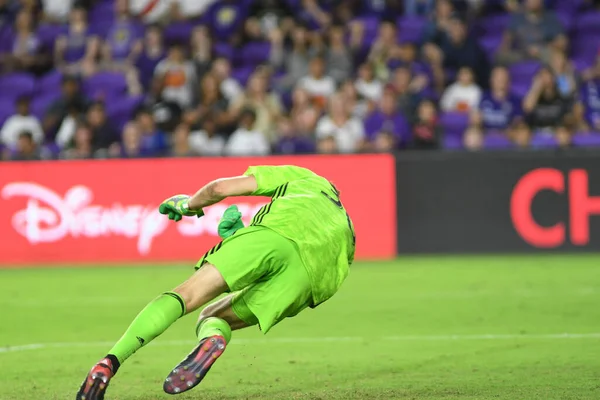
x=545, y=109
x=426, y=131
x=245, y=141
x=266, y=105
x=70, y=101
x=22, y=121
x=76, y=52
x=590, y=94
x=388, y=120
x=207, y=141
x=318, y=85
x=463, y=95
x=532, y=34
x=348, y=132
x=499, y=111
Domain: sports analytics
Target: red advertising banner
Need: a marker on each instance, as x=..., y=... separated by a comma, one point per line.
x=106, y=210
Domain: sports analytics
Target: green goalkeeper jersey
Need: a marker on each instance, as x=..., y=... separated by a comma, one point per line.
x=306, y=209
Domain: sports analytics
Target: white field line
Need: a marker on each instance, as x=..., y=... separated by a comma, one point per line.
x=342, y=339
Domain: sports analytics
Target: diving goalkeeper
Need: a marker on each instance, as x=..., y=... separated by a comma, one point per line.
x=294, y=254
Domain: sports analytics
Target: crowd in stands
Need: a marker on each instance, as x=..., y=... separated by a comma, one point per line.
x=147, y=78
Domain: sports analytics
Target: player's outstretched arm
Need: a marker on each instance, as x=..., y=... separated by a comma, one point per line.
x=220, y=189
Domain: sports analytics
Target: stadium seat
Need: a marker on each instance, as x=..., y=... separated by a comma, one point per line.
x=255, y=53
x=50, y=82
x=497, y=141
x=586, y=140
x=16, y=84
x=454, y=123
x=543, y=140
x=452, y=143
x=105, y=84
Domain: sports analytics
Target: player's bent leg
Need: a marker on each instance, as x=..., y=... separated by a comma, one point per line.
x=206, y=284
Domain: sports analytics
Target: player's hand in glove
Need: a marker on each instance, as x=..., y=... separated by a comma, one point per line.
x=230, y=222
x=177, y=207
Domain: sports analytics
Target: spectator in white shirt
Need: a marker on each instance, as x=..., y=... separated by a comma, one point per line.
x=57, y=10
x=246, y=142
x=318, y=86
x=348, y=132
x=367, y=86
x=20, y=122
x=229, y=87
x=175, y=78
x=463, y=95
x=207, y=142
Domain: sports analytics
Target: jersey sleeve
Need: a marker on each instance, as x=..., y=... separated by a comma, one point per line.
x=269, y=178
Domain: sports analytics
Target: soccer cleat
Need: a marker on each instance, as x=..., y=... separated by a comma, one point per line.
x=94, y=385
x=190, y=372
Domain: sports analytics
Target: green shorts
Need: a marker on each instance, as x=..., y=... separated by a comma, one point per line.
x=266, y=271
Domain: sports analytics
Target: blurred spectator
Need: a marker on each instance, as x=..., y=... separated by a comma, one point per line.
x=499, y=111
x=57, y=11
x=66, y=132
x=388, y=121
x=318, y=85
x=226, y=19
x=22, y=121
x=292, y=140
x=406, y=55
x=422, y=8
x=8, y=11
x=339, y=57
x=152, y=54
x=245, y=141
x=463, y=95
x=104, y=136
x=71, y=99
x=77, y=51
x=175, y=78
x=426, y=131
x=408, y=89
x=314, y=14
x=356, y=107
x=435, y=34
x=207, y=141
x=181, y=142
x=590, y=95
x=348, y=132
x=460, y=49
x=132, y=141
x=152, y=141
x=327, y=145
x=211, y=101
x=293, y=60
x=265, y=16
x=81, y=146
x=123, y=45
x=229, y=87
x=531, y=34
x=544, y=107
x=367, y=86
x=266, y=105
x=382, y=48
x=26, y=48
x=566, y=79
x=201, y=46
x=26, y=149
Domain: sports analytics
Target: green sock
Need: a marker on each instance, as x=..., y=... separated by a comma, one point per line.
x=213, y=326
x=153, y=320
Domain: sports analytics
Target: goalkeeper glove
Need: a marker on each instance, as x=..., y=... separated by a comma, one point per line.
x=230, y=222
x=177, y=207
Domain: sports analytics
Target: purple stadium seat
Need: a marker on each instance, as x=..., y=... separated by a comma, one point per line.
x=16, y=84
x=410, y=29
x=523, y=72
x=496, y=141
x=454, y=124
x=492, y=25
x=453, y=143
x=102, y=11
x=543, y=140
x=122, y=110
x=105, y=84
x=242, y=74
x=179, y=32
x=588, y=23
x=520, y=89
x=255, y=53
x=586, y=140
x=48, y=33
x=490, y=43
x=584, y=46
x=41, y=102
x=566, y=19
x=223, y=50
x=7, y=108
x=49, y=83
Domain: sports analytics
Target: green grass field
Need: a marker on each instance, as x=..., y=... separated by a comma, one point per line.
x=417, y=328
